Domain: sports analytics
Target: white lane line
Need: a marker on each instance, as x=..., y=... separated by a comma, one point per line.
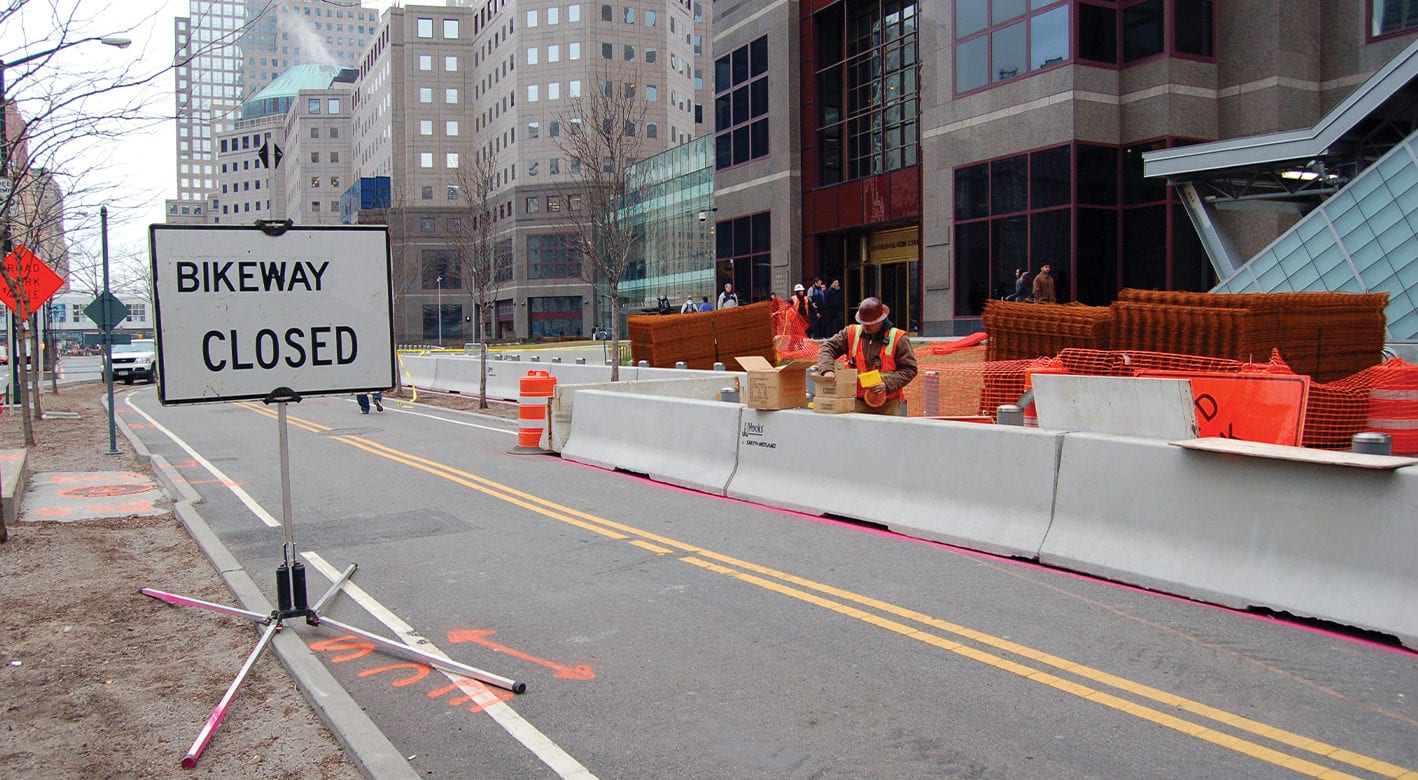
x=512, y=431
x=540, y=745
x=246, y=499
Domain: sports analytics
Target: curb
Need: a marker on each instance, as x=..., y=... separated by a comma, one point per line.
x=352, y=728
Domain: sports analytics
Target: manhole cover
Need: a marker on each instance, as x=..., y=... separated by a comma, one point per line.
x=104, y=491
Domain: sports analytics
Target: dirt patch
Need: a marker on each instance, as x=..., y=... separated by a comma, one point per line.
x=100, y=681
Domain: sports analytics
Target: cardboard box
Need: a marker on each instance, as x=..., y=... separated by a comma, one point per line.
x=837, y=396
x=770, y=387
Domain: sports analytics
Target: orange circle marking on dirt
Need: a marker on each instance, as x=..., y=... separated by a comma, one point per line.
x=104, y=491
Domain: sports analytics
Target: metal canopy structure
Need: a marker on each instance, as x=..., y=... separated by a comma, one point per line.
x=1295, y=170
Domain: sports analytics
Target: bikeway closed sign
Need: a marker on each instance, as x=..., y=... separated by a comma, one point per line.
x=248, y=312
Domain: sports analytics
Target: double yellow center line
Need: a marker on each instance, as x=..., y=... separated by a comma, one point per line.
x=927, y=629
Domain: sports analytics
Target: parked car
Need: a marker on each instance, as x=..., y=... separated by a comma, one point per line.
x=134, y=361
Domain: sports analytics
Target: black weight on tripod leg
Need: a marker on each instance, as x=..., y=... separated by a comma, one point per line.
x=298, y=591
x=283, y=598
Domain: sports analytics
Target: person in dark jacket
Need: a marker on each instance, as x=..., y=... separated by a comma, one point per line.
x=1022, y=289
x=832, y=308
x=1044, y=286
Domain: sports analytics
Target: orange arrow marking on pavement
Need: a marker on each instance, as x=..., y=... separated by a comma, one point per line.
x=480, y=635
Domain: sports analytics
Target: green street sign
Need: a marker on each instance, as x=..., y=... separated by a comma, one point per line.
x=106, y=310
x=100, y=339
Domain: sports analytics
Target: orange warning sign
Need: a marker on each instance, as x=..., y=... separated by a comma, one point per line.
x=1266, y=408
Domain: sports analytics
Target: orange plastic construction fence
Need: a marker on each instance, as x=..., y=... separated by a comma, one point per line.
x=1382, y=398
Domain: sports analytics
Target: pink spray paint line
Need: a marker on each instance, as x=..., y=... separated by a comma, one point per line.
x=1032, y=565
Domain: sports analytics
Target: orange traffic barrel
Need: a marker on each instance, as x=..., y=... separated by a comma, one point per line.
x=535, y=388
x=1393, y=409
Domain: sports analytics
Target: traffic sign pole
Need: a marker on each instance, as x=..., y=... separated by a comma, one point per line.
x=108, y=333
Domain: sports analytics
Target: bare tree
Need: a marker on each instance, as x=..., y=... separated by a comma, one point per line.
x=58, y=114
x=601, y=139
x=484, y=256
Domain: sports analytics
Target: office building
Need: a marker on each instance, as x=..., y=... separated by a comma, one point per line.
x=224, y=52
x=438, y=85
x=936, y=147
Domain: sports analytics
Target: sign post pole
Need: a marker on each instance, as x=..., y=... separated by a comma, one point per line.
x=107, y=334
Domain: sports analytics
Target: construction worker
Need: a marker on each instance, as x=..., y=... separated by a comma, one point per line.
x=873, y=344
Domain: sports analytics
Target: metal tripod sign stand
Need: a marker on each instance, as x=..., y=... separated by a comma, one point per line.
x=305, y=310
x=292, y=603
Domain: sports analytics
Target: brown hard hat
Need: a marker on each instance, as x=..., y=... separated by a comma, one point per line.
x=872, y=311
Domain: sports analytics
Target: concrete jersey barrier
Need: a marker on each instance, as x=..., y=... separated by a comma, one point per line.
x=677, y=441
x=563, y=402
x=1314, y=540
x=980, y=486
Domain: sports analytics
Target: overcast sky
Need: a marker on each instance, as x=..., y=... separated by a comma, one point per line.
x=133, y=175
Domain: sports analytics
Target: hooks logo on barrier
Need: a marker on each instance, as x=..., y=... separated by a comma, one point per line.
x=753, y=434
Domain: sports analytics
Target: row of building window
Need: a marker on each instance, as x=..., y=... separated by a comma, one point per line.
x=1006, y=39
x=1023, y=211
x=868, y=87
x=423, y=28
x=741, y=105
x=553, y=53
x=553, y=15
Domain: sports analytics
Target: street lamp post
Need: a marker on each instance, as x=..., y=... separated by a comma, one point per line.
x=440, y=311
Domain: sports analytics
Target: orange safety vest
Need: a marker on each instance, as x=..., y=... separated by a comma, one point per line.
x=856, y=351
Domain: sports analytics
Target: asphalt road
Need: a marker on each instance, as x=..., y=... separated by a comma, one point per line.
x=664, y=633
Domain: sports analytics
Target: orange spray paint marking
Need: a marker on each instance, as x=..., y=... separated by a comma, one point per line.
x=480, y=636
x=346, y=642
x=459, y=701
x=420, y=672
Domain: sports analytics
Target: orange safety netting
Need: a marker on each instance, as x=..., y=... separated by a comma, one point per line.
x=790, y=337
x=1381, y=398
x=1327, y=336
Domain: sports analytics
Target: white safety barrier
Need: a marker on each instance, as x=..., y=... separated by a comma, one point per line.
x=563, y=402
x=417, y=370
x=654, y=444
x=1315, y=540
x=985, y=487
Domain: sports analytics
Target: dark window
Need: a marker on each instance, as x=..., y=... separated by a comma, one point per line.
x=1009, y=185
x=972, y=267
x=743, y=254
x=1098, y=175
x=1097, y=34
x=1145, y=247
x=1050, y=178
x=1143, y=34
x=1136, y=188
x=555, y=316
x=972, y=192
x=552, y=256
x=741, y=83
x=1192, y=27
x=441, y=264
x=1097, y=273
x=1191, y=268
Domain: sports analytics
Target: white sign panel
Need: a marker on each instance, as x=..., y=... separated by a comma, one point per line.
x=242, y=313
